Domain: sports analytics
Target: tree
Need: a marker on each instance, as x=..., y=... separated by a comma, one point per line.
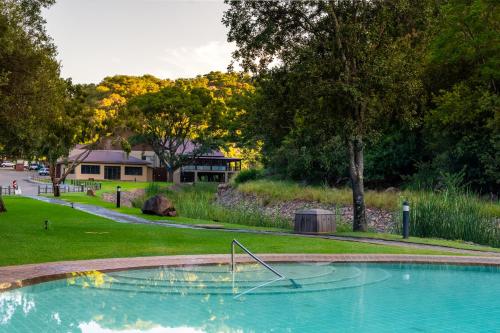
x=2, y=205
x=29, y=75
x=72, y=121
x=352, y=62
x=179, y=123
x=463, y=75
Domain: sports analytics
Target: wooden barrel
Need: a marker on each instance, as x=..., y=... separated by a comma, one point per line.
x=315, y=221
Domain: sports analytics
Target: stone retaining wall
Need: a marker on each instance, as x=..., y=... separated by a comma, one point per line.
x=227, y=196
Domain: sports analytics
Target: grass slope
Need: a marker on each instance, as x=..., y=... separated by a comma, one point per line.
x=76, y=235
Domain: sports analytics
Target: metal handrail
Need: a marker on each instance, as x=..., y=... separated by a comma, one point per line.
x=260, y=261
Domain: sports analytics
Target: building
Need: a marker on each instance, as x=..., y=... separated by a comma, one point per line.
x=109, y=165
x=142, y=164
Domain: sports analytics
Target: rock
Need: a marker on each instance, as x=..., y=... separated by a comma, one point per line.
x=91, y=192
x=159, y=205
x=221, y=188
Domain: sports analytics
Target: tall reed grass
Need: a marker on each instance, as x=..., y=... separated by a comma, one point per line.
x=197, y=201
x=453, y=215
x=151, y=190
x=289, y=191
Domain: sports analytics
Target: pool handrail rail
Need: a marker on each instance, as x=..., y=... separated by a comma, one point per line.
x=260, y=261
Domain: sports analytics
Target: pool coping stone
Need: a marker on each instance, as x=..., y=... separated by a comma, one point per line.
x=12, y=277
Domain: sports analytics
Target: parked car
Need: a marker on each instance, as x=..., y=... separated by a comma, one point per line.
x=34, y=166
x=43, y=172
x=7, y=164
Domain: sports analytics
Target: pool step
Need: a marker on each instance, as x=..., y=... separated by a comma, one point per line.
x=196, y=284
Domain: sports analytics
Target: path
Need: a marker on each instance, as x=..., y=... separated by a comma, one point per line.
x=126, y=218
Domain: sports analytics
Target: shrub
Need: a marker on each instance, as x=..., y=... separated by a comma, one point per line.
x=247, y=175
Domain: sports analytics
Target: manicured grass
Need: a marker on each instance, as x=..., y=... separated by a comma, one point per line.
x=419, y=240
x=76, y=235
x=97, y=201
x=78, y=197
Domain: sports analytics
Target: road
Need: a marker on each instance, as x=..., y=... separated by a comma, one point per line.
x=9, y=175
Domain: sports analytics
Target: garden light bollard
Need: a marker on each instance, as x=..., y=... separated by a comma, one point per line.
x=406, y=219
x=118, y=192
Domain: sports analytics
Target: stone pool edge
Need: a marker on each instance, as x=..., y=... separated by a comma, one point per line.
x=12, y=277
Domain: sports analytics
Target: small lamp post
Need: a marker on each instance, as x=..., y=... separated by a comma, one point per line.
x=118, y=193
x=406, y=219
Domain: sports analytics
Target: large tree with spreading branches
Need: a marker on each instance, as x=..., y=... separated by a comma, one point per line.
x=353, y=62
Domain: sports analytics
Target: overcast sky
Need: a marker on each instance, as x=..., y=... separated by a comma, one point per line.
x=165, y=38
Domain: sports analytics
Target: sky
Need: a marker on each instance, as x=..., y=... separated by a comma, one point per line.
x=165, y=38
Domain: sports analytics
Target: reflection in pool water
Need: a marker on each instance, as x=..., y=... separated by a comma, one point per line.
x=328, y=298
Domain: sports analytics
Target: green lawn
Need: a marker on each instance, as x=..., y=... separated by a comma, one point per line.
x=111, y=186
x=97, y=201
x=418, y=240
x=75, y=235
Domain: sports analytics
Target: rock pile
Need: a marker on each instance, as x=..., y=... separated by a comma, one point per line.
x=227, y=196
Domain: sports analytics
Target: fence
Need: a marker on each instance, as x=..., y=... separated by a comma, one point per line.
x=7, y=190
x=89, y=184
x=47, y=189
x=41, y=179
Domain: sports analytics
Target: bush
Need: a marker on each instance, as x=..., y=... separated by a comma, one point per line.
x=247, y=175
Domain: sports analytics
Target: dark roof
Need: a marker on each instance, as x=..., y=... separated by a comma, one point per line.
x=110, y=157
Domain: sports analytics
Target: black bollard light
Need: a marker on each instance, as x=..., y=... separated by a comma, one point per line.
x=46, y=225
x=118, y=192
x=406, y=220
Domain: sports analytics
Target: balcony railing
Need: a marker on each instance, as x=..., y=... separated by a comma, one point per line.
x=210, y=168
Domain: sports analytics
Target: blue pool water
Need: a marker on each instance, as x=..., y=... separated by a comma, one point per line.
x=322, y=298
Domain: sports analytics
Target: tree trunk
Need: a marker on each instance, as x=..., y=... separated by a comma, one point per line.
x=56, y=189
x=170, y=175
x=356, y=169
x=2, y=205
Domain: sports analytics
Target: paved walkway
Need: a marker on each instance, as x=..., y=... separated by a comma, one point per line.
x=18, y=276
x=126, y=218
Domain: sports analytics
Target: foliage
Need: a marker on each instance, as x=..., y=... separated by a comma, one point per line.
x=29, y=76
x=344, y=63
x=462, y=73
x=179, y=123
x=247, y=175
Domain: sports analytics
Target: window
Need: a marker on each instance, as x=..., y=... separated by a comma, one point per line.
x=91, y=169
x=133, y=171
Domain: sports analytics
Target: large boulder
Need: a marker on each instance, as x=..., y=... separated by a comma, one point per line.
x=159, y=205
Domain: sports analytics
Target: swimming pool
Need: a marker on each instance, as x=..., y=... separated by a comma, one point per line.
x=323, y=297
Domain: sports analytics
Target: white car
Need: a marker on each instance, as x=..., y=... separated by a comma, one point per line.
x=7, y=164
x=43, y=172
